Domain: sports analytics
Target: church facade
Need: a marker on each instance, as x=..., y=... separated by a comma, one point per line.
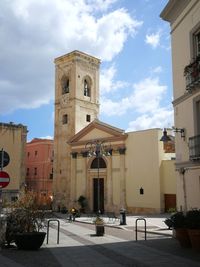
x=111, y=168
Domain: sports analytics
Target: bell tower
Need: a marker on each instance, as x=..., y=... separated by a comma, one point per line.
x=76, y=105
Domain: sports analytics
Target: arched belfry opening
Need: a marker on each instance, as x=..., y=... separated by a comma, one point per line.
x=65, y=84
x=87, y=83
x=98, y=183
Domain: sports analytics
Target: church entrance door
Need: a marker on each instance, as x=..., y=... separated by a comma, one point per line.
x=98, y=186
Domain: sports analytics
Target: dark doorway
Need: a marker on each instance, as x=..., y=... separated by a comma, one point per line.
x=170, y=202
x=98, y=182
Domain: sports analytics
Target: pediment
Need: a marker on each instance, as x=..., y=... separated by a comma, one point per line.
x=98, y=130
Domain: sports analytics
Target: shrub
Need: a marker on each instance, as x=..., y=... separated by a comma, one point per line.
x=176, y=220
x=24, y=216
x=193, y=219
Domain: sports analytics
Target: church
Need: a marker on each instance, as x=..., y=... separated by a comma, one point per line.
x=111, y=168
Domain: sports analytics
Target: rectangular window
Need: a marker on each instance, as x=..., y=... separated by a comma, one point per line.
x=65, y=119
x=88, y=118
x=198, y=116
x=28, y=154
x=197, y=44
x=35, y=171
x=36, y=153
x=27, y=172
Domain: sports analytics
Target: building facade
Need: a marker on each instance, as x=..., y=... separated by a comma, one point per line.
x=111, y=168
x=13, y=141
x=39, y=167
x=184, y=18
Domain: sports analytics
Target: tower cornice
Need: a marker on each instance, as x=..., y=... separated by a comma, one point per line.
x=77, y=55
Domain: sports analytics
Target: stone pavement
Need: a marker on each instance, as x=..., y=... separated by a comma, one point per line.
x=78, y=246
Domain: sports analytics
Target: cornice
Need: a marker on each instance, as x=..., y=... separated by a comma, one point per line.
x=111, y=139
x=77, y=55
x=187, y=164
x=184, y=97
x=173, y=9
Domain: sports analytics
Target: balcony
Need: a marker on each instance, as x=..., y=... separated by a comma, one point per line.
x=194, y=147
x=192, y=74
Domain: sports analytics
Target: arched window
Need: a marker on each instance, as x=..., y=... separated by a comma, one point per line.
x=65, y=85
x=86, y=88
x=94, y=164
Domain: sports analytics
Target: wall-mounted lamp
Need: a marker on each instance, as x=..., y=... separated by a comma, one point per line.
x=166, y=138
x=179, y=130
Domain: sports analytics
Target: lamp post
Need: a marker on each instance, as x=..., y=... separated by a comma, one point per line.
x=98, y=149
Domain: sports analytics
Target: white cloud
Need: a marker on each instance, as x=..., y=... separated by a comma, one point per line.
x=107, y=81
x=34, y=32
x=146, y=97
x=101, y=4
x=157, y=69
x=145, y=101
x=153, y=39
x=111, y=108
x=47, y=137
x=163, y=117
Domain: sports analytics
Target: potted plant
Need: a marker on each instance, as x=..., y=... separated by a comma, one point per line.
x=177, y=222
x=99, y=225
x=193, y=225
x=24, y=223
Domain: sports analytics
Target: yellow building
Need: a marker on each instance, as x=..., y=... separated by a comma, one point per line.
x=111, y=168
x=184, y=18
x=13, y=142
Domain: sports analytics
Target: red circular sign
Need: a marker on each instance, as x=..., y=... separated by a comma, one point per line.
x=4, y=179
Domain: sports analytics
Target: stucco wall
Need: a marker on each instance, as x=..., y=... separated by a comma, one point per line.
x=13, y=140
x=142, y=170
x=183, y=28
x=168, y=177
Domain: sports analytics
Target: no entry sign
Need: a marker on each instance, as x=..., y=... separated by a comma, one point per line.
x=4, y=179
x=4, y=158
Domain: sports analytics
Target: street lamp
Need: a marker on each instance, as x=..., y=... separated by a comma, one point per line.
x=166, y=138
x=98, y=149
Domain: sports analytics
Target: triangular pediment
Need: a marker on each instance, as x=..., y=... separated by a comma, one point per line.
x=97, y=130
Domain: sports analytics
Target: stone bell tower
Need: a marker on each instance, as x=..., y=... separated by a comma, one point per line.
x=76, y=105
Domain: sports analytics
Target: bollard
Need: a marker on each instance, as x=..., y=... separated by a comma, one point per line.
x=3, y=224
x=58, y=229
x=122, y=217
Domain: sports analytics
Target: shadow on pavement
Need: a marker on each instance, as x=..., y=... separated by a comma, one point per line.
x=42, y=257
x=129, y=253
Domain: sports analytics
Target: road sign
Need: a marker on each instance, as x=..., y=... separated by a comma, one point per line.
x=4, y=157
x=4, y=179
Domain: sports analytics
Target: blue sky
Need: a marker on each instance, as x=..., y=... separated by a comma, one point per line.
x=128, y=36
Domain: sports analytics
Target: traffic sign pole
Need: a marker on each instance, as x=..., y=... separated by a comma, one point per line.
x=1, y=200
x=2, y=158
x=4, y=177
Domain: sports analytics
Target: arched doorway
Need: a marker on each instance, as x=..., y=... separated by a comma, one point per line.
x=98, y=185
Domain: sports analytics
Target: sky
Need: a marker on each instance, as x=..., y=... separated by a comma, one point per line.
x=129, y=37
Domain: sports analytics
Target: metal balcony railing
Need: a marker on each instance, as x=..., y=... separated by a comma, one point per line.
x=194, y=147
x=192, y=74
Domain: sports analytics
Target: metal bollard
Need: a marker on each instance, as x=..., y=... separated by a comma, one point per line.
x=58, y=230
